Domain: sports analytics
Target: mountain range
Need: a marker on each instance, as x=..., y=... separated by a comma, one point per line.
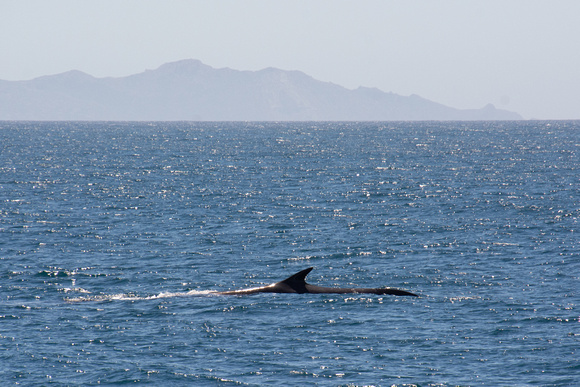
x=189, y=90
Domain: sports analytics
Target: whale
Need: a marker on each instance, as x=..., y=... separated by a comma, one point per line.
x=296, y=283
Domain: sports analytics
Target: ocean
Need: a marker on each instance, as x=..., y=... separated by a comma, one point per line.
x=114, y=234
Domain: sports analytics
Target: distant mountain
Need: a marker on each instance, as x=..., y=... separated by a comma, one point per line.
x=190, y=90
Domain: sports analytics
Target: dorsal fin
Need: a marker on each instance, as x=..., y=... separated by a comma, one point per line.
x=298, y=281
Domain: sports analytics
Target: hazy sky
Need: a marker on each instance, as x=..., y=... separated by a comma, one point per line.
x=520, y=55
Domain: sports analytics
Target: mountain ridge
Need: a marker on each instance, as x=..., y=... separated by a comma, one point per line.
x=191, y=90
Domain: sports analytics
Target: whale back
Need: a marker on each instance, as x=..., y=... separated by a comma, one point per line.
x=296, y=283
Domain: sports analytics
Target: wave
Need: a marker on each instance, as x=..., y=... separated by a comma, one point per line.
x=133, y=297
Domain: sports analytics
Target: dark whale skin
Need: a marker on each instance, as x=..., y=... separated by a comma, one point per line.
x=297, y=284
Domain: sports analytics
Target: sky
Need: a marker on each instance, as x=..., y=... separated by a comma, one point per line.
x=520, y=55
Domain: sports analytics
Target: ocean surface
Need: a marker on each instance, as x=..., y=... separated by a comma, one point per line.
x=114, y=235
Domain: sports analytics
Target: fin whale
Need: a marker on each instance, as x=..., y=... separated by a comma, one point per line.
x=297, y=284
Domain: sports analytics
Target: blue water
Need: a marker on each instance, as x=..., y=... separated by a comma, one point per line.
x=112, y=236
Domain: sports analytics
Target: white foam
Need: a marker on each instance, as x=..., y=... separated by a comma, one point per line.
x=132, y=297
